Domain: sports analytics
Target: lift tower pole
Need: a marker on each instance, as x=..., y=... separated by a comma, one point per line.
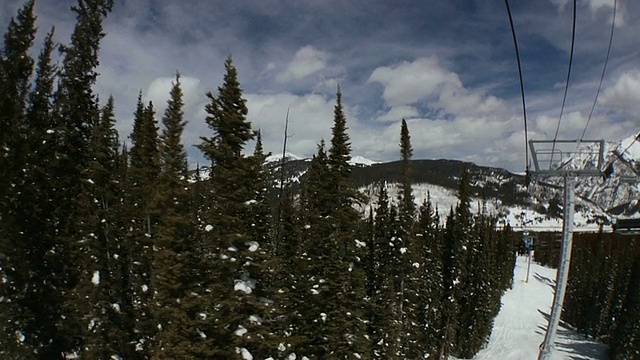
x=568, y=159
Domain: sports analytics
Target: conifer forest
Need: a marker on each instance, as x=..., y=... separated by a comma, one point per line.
x=112, y=248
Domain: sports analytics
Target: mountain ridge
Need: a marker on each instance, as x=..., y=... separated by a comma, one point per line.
x=599, y=200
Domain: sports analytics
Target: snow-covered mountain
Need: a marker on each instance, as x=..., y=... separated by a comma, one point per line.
x=618, y=193
x=536, y=207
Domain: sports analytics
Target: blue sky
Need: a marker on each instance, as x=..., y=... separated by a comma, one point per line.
x=447, y=67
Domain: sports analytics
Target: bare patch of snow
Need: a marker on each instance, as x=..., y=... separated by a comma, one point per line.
x=240, y=331
x=20, y=336
x=253, y=245
x=96, y=278
x=246, y=355
x=244, y=286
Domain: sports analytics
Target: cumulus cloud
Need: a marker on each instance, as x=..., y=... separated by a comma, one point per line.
x=310, y=120
x=412, y=81
x=594, y=5
x=625, y=93
x=398, y=113
x=160, y=88
x=464, y=118
x=486, y=140
x=426, y=80
x=307, y=61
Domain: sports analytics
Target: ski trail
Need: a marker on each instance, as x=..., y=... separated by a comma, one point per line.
x=521, y=324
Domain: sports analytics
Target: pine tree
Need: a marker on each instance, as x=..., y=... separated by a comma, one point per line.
x=101, y=249
x=430, y=318
x=332, y=281
x=346, y=320
x=53, y=182
x=624, y=343
x=478, y=305
x=263, y=262
x=16, y=67
x=455, y=259
x=174, y=266
x=77, y=111
x=384, y=324
x=236, y=283
x=309, y=292
x=409, y=262
x=142, y=174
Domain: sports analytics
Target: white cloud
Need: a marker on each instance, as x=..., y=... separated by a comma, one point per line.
x=425, y=80
x=307, y=61
x=310, y=120
x=398, y=113
x=409, y=82
x=160, y=88
x=594, y=5
x=459, y=100
x=625, y=93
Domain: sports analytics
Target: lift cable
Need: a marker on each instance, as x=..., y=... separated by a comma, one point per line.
x=524, y=106
x=604, y=69
x=566, y=88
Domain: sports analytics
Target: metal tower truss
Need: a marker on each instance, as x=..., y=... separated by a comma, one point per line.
x=567, y=159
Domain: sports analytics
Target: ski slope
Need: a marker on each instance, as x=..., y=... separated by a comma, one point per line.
x=521, y=324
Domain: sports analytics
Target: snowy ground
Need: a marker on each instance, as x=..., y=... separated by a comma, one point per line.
x=521, y=324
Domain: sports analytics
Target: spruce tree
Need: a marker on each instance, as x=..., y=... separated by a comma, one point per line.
x=430, y=320
x=174, y=265
x=347, y=319
x=236, y=285
x=101, y=248
x=409, y=262
x=53, y=188
x=142, y=174
x=455, y=255
x=309, y=291
x=451, y=268
x=16, y=67
x=478, y=304
x=332, y=283
x=384, y=324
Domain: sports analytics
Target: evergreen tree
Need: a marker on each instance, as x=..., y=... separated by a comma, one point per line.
x=456, y=253
x=333, y=311
x=478, y=305
x=624, y=344
x=76, y=114
x=409, y=262
x=309, y=292
x=235, y=312
x=429, y=242
x=101, y=260
x=346, y=320
x=52, y=183
x=16, y=67
x=174, y=266
x=385, y=329
x=142, y=174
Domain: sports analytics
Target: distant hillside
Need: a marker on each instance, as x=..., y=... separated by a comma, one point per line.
x=598, y=198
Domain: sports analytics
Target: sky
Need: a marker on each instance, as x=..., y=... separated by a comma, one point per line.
x=447, y=67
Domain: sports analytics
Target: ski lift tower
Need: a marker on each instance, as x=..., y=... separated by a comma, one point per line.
x=567, y=159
